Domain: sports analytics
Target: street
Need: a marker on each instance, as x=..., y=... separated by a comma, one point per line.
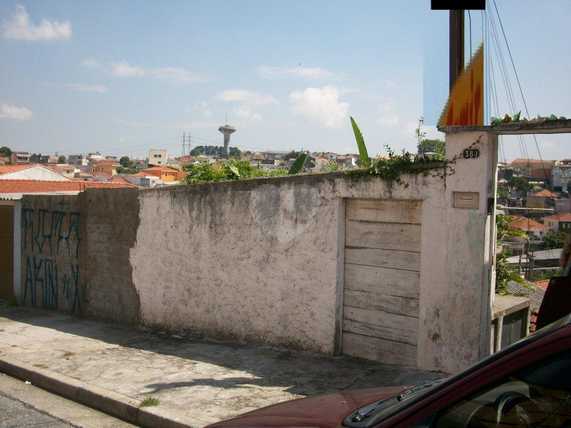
x=24, y=405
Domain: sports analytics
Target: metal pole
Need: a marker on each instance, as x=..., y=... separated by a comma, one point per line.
x=456, y=45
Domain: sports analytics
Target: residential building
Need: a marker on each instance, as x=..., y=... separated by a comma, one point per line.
x=104, y=167
x=79, y=160
x=157, y=157
x=534, y=169
x=542, y=199
x=563, y=205
x=166, y=174
x=20, y=157
x=93, y=157
x=69, y=171
x=562, y=175
x=531, y=227
x=30, y=172
x=558, y=222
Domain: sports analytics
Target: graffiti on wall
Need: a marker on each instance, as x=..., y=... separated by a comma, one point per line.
x=50, y=245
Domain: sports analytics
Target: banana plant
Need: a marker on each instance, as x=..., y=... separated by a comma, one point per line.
x=364, y=160
x=298, y=164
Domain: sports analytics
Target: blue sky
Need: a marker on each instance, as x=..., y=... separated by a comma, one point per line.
x=122, y=77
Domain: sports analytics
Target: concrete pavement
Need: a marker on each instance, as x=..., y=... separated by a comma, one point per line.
x=24, y=405
x=196, y=381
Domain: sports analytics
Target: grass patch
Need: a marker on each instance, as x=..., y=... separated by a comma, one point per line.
x=150, y=401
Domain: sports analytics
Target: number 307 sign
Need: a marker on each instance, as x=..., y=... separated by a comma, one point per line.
x=471, y=153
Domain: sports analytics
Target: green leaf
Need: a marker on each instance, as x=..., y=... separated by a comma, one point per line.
x=364, y=160
x=234, y=170
x=297, y=166
x=517, y=116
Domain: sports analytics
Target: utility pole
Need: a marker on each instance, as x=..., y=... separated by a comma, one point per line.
x=456, y=45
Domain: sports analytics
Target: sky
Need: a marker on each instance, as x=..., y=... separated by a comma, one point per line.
x=121, y=77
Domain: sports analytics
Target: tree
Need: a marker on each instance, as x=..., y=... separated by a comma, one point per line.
x=61, y=159
x=125, y=161
x=432, y=146
x=5, y=151
x=554, y=239
x=519, y=184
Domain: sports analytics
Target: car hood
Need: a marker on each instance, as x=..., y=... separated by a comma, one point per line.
x=323, y=411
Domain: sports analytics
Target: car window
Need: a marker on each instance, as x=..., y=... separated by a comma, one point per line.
x=539, y=396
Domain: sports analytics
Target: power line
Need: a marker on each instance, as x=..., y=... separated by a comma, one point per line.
x=519, y=86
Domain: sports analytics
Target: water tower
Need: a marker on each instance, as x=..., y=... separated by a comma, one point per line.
x=227, y=130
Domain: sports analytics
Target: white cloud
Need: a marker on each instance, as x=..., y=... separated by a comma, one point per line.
x=246, y=97
x=19, y=27
x=387, y=115
x=123, y=69
x=8, y=111
x=173, y=74
x=320, y=104
x=245, y=112
x=91, y=63
x=269, y=72
x=202, y=108
x=81, y=87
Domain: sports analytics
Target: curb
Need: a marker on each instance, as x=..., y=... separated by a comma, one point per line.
x=109, y=402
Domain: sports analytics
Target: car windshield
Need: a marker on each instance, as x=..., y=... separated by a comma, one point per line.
x=373, y=413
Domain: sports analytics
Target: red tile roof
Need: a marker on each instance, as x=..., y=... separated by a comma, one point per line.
x=37, y=186
x=7, y=169
x=545, y=194
x=526, y=224
x=559, y=217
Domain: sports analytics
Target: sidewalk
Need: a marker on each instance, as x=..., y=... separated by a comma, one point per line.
x=196, y=382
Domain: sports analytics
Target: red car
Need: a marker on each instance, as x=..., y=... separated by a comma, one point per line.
x=525, y=385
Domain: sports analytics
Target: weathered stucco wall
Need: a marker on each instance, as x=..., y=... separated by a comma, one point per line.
x=259, y=260
x=251, y=260
x=262, y=260
x=111, y=219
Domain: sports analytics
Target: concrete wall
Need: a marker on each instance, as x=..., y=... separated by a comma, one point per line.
x=51, y=238
x=262, y=260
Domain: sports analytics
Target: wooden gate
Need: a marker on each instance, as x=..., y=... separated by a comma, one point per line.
x=6, y=252
x=381, y=285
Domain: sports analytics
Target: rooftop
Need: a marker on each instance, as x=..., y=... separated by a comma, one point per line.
x=559, y=217
x=526, y=224
x=37, y=186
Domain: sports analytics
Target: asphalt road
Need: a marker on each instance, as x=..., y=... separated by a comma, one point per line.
x=14, y=413
x=23, y=405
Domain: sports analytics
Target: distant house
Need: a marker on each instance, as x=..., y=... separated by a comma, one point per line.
x=157, y=157
x=534, y=169
x=21, y=157
x=30, y=172
x=104, y=167
x=563, y=205
x=542, y=199
x=164, y=173
x=558, y=222
x=15, y=189
x=562, y=175
x=527, y=225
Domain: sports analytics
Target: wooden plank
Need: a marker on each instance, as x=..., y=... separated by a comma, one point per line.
x=380, y=324
x=385, y=351
x=381, y=302
x=385, y=210
x=392, y=282
x=386, y=236
x=383, y=258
